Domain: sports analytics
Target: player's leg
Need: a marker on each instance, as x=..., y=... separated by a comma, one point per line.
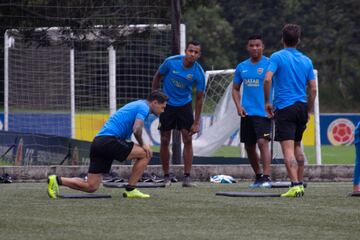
x=300, y=158
x=90, y=185
x=167, y=122
x=141, y=161
x=185, y=119
x=164, y=150
x=248, y=137
x=262, y=128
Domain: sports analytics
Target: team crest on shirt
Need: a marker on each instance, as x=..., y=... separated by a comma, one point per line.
x=260, y=70
x=189, y=77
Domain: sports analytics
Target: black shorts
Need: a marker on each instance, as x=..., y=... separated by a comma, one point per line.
x=290, y=122
x=253, y=128
x=104, y=150
x=176, y=117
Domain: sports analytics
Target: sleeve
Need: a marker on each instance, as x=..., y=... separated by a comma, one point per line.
x=273, y=63
x=237, y=76
x=164, y=67
x=310, y=74
x=143, y=113
x=200, y=81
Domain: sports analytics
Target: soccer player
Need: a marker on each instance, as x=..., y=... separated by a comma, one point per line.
x=179, y=73
x=112, y=142
x=255, y=125
x=292, y=74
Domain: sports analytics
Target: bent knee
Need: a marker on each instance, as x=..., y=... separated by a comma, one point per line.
x=92, y=188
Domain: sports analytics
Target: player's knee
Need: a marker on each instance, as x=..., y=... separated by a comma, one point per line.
x=92, y=188
x=165, y=140
x=187, y=141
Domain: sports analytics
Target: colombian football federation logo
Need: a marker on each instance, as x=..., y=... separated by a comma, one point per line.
x=341, y=132
x=260, y=70
x=189, y=77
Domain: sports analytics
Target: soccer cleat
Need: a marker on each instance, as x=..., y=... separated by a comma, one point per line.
x=53, y=186
x=135, y=194
x=302, y=190
x=294, y=191
x=265, y=182
x=187, y=182
x=167, y=181
x=256, y=184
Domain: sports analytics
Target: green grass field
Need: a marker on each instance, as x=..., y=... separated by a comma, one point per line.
x=325, y=212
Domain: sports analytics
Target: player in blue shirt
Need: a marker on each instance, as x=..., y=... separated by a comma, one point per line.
x=179, y=74
x=113, y=143
x=255, y=126
x=356, y=180
x=291, y=74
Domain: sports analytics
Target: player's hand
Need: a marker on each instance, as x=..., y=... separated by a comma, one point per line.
x=195, y=128
x=269, y=110
x=147, y=150
x=242, y=112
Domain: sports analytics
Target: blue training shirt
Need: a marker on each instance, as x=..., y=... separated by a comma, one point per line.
x=252, y=75
x=121, y=123
x=292, y=70
x=178, y=80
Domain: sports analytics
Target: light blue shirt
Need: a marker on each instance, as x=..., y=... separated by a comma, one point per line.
x=292, y=70
x=251, y=75
x=121, y=123
x=178, y=80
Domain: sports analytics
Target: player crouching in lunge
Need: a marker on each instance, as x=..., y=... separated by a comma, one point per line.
x=112, y=143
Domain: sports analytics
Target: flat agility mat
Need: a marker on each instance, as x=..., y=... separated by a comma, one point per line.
x=247, y=194
x=354, y=194
x=84, y=195
x=283, y=184
x=138, y=185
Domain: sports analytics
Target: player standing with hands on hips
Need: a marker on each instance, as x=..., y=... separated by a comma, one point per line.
x=292, y=74
x=179, y=74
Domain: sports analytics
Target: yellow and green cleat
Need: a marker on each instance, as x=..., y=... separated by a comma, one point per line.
x=135, y=194
x=294, y=191
x=53, y=187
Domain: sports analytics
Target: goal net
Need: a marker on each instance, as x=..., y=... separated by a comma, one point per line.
x=221, y=125
x=69, y=65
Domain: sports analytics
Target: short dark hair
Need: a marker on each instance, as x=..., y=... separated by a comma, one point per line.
x=255, y=36
x=291, y=34
x=193, y=42
x=158, y=96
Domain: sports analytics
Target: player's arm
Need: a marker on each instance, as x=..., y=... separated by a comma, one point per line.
x=195, y=128
x=267, y=87
x=237, y=98
x=311, y=95
x=156, y=81
x=137, y=130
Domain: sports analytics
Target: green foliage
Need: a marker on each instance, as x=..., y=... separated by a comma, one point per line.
x=205, y=24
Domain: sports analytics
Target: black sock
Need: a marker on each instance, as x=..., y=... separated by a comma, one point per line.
x=58, y=180
x=267, y=177
x=129, y=188
x=293, y=184
x=259, y=175
x=301, y=183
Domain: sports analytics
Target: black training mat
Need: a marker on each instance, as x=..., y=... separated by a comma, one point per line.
x=354, y=194
x=138, y=185
x=247, y=194
x=283, y=184
x=84, y=195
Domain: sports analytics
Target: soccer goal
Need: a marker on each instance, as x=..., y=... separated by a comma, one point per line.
x=66, y=83
x=222, y=123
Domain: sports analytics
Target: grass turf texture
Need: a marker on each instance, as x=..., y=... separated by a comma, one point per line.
x=325, y=212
